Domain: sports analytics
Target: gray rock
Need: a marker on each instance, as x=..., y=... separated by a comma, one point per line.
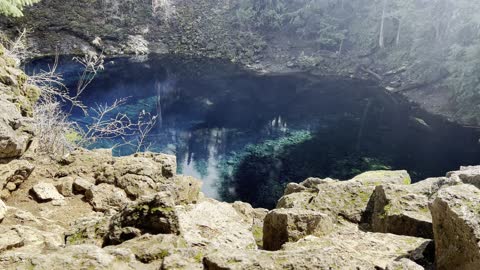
x=290, y=225
x=154, y=214
x=348, y=199
x=106, y=197
x=91, y=229
x=14, y=135
x=404, y=264
x=3, y=210
x=185, y=189
x=15, y=172
x=139, y=175
x=10, y=239
x=467, y=174
x=214, y=224
x=456, y=227
x=349, y=250
x=80, y=185
x=253, y=216
x=46, y=192
x=403, y=209
x=65, y=186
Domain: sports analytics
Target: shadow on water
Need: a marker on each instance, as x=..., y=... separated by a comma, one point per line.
x=246, y=135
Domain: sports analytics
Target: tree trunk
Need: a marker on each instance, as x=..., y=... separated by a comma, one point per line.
x=397, y=40
x=341, y=47
x=381, y=41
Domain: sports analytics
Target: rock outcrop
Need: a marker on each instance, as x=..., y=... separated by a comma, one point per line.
x=403, y=209
x=456, y=227
x=348, y=199
x=290, y=225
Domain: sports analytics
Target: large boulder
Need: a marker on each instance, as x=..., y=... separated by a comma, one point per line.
x=353, y=250
x=456, y=227
x=348, y=199
x=185, y=189
x=154, y=215
x=15, y=133
x=290, y=225
x=467, y=175
x=253, y=216
x=72, y=257
x=150, y=248
x=106, y=197
x=214, y=224
x=3, y=210
x=14, y=174
x=138, y=175
x=403, y=209
x=90, y=229
x=45, y=192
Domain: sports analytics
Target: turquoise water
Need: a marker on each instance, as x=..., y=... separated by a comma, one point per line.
x=247, y=135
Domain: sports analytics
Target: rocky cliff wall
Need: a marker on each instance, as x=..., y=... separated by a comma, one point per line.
x=428, y=61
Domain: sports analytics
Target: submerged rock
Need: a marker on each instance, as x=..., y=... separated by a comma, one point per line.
x=456, y=227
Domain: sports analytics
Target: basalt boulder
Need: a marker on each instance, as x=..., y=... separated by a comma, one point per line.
x=353, y=250
x=348, y=199
x=154, y=215
x=456, y=227
x=13, y=174
x=214, y=224
x=290, y=225
x=15, y=130
x=403, y=209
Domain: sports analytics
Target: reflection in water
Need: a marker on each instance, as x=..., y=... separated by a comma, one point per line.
x=163, y=88
x=206, y=168
x=246, y=136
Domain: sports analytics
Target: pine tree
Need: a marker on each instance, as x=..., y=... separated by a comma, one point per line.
x=14, y=8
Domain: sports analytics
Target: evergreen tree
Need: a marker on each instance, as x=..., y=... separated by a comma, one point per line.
x=14, y=8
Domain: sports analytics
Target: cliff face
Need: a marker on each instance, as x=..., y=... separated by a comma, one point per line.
x=426, y=51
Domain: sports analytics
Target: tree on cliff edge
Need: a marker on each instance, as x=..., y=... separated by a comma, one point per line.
x=14, y=8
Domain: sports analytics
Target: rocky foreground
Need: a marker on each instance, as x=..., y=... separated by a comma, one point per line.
x=89, y=210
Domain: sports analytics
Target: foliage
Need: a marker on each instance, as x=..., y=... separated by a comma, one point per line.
x=14, y=8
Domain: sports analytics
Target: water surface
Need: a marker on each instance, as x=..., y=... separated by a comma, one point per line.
x=247, y=135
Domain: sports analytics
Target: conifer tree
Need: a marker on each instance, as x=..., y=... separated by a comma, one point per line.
x=14, y=8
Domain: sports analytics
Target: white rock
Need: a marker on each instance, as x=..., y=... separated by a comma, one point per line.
x=46, y=192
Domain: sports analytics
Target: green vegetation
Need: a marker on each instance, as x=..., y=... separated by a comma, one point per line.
x=259, y=173
x=14, y=8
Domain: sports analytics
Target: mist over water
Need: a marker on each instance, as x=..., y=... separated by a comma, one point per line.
x=247, y=135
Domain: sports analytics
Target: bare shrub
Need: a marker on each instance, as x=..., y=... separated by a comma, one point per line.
x=106, y=127
x=58, y=134
x=55, y=133
x=16, y=48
